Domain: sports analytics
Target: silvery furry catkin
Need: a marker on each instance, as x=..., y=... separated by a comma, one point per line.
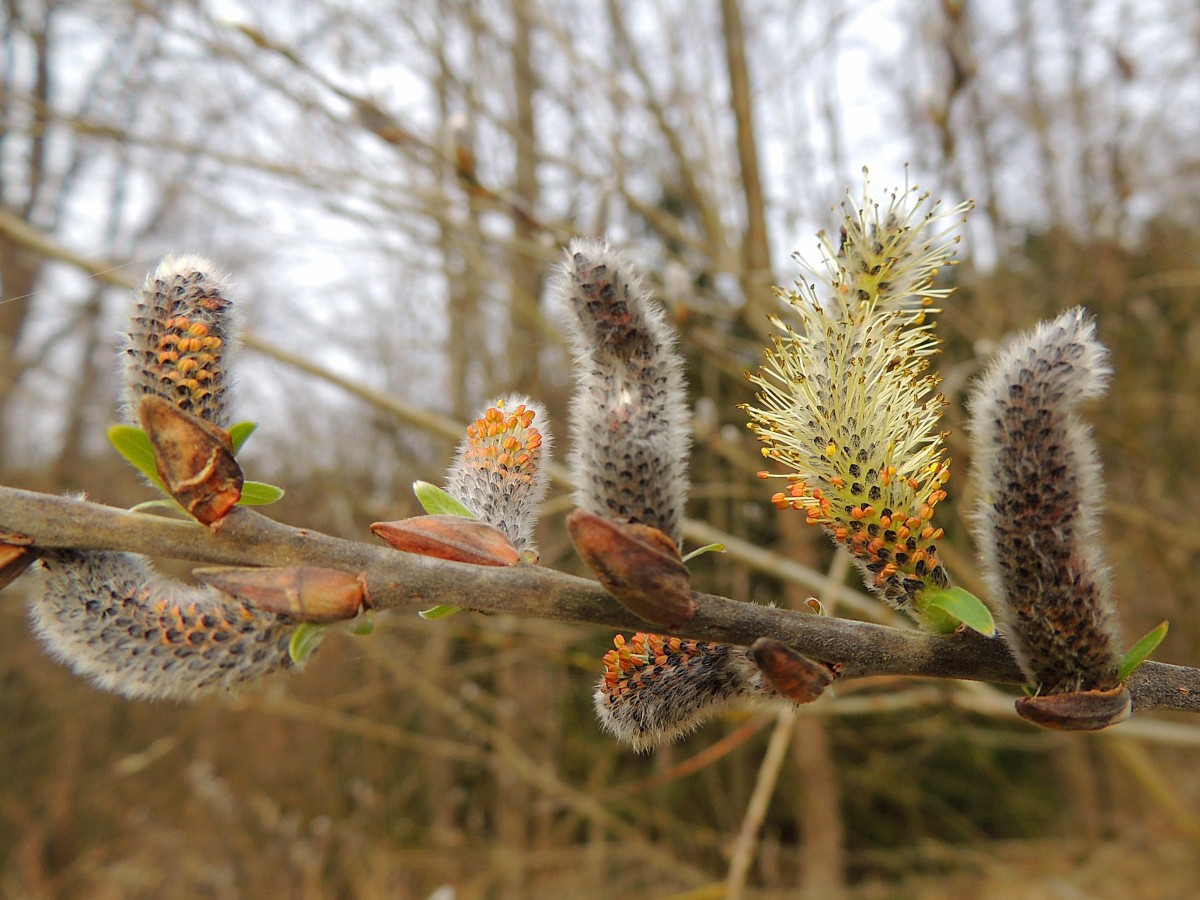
x=179, y=338
x=631, y=436
x=108, y=615
x=501, y=470
x=1039, y=476
x=630, y=420
x=114, y=621
x=657, y=689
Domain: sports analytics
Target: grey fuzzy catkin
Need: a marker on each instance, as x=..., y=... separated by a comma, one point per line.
x=666, y=700
x=1036, y=523
x=179, y=339
x=508, y=496
x=630, y=422
x=108, y=615
x=113, y=620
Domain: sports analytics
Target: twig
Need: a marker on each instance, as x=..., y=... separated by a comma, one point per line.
x=404, y=581
x=756, y=809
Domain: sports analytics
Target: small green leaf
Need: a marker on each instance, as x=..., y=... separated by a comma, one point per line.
x=305, y=639
x=707, y=548
x=1136, y=655
x=438, y=612
x=958, y=605
x=134, y=444
x=239, y=434
x=437, y=502
x=364, y=624
x=258, y=493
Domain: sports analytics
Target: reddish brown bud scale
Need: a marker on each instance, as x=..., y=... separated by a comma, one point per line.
x=638, y=564
x=194, y=459
x=1078, y=710
x=302, y=593
x=794, y=676
x=450, y=537
x=14, y=560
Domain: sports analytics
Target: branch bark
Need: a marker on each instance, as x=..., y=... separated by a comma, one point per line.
x=404, y=581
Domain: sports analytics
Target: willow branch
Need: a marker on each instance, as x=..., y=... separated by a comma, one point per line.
x=35, y=241
x=405, y=581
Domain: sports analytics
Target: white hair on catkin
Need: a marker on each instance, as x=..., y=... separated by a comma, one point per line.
x=630, y=422
x=1040, y=484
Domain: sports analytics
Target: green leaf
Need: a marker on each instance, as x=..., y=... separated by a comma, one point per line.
x=437, y=502
x=364, y=624
x=259, y=493
x=958, y=606
x=1136, y=655
x=239, y=434
x=134, y=444
x=438, y=612
x=707, y=548
x=305, y=639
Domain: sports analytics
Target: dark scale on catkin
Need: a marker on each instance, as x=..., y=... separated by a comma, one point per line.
x=1038, y=471
x=630, y=418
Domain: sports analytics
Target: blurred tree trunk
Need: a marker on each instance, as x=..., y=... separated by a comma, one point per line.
x=525, y=276
x=756, y=249
x=19, y=269
x=456, y=233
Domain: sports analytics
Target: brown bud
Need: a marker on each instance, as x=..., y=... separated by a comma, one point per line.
x=794, y=676
x=1077, y=710
x=14, y=560
x=455, y=538
x=303, y=593
x=637, y=564
x=194, y=459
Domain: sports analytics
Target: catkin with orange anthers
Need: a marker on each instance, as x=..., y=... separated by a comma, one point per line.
x=847, y=400
x=130, y=631
x=658, y=689
x=179, y=339
x=501, y=469
x=1037, y=520
x=108, y=615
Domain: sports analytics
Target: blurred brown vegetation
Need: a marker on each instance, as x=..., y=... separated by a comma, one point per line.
x=389, y=188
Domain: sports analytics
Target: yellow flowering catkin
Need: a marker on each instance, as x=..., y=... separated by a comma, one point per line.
x=847, y=401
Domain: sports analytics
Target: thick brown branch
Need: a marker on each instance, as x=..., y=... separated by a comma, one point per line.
x=399, y=580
